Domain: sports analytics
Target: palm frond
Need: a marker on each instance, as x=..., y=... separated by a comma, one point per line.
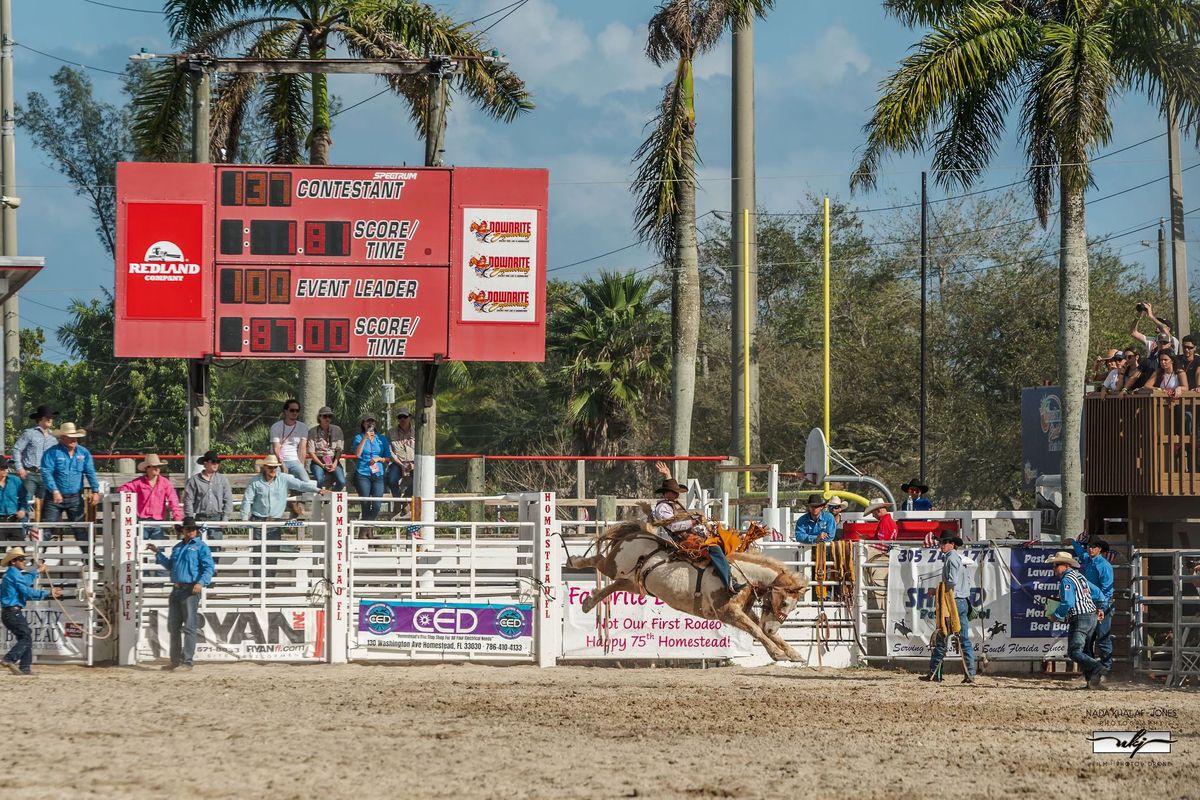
x=1156, y=51
x=160, y=113
x=665, y=158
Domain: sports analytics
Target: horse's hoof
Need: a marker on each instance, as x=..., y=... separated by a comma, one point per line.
x=587, y=605
x=797, y=658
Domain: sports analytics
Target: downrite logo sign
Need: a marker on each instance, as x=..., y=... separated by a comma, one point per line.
x=487, y=302
x=501, y=231
x=164, y=261
x=501, y=266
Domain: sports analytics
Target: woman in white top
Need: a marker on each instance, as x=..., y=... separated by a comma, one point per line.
x=1167, y=377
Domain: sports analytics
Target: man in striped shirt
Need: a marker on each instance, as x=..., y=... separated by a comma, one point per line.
x=1077, y=608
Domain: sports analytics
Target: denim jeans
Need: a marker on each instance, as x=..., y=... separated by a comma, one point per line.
x=273, y=535
x=1100, y=643
x=939, y=645
x=296, y=470
x=399, y=483
x=182, y=612
x=1081, y=627
x=71, y=508
x=153, y=531
x=339, y=476
x=369, y=486
x=21, y=653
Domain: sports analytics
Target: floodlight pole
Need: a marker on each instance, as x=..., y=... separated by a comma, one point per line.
x=10, y=389
x=199, y=435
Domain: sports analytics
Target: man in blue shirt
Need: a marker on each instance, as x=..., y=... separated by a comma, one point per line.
x=1076, y=607
x=65, y=467
x=14, y=502
x=916, y=497
x=1099, y=574
x=28, y=452
x=16, y=589
x=957, y=580
x=817, y=525
x=191, y=566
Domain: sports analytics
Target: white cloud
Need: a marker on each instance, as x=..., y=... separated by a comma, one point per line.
x=836, y=56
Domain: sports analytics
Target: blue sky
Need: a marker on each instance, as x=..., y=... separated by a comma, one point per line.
x=818, y=66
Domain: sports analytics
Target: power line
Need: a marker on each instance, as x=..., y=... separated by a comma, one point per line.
x=68, y=61
x=494, y=13
x=517, y=8
x=360, y=102
x=123, y=8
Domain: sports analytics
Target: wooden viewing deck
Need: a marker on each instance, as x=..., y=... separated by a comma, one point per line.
x=1141, y=445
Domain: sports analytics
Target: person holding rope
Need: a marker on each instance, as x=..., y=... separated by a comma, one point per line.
x=669, y=514
x=16, y=589
x=1076, y=607
x=191, y=566
x=953, y=604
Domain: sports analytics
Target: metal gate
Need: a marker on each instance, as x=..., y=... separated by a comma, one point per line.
x=1164, y=639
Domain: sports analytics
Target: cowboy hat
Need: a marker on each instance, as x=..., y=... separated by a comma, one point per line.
x=1113, y=355
x=151, y=460
x=950, y=536
x=914, y=484
x=69, y=430
x=671, y=485
x=1103, y=545
x=815, y=500
x=270, y=461
x=1063, y=557
x=5, y=462
x=12, y=555
x=42, y=412
x=187, y=524
x=876, y=504
x=209, y=455
x=837, y=502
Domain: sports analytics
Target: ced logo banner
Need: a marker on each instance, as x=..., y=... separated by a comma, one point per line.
x=449, y=628
x=166, y=283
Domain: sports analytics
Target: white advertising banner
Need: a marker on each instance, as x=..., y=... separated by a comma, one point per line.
x=281, y=634
x=1010, y=588
x=499, y=269
x=54, y=633
x=643, y=627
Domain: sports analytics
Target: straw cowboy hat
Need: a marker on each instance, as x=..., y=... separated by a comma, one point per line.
x=12, y=555
x=1063, y=557
x=270, y=461
x=151, y=460
x=69, y=430
x=671, y=485
x=876, y=504
x=837, y=502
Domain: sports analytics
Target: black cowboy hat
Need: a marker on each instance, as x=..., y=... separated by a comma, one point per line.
x=209, y=455
x=1103, y=545
x=671, y=485
x=950, y=536
x=914, y=484
x=187, y=524
x=42, y=412
x=816, y=500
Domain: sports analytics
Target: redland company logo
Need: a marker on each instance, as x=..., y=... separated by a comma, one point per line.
x=162, y=274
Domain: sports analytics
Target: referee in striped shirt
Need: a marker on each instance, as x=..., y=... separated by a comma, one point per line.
x=1077, y=608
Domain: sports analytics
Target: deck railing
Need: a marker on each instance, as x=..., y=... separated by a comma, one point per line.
x=1141, y=445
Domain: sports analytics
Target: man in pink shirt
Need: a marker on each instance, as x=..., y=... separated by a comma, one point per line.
x=154, y=494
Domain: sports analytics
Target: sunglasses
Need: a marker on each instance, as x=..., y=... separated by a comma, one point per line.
x=292, y=410
x=268, y=466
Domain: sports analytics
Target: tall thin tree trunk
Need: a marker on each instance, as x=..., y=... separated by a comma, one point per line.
x=312, y=386
x=685, y=325
x=1073, y=311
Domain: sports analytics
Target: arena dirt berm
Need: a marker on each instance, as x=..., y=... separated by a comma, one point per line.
x=454, y=731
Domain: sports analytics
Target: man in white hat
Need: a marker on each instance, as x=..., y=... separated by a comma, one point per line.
x=886, y=530
x=155, y=496
x=266, y=497
x=1077, y=608
x=16, y=589
x=65, y=468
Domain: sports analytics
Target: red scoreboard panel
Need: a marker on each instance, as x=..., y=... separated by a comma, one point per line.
x=333, y=262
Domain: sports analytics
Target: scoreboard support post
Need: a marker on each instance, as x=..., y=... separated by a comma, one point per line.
x=199, y=428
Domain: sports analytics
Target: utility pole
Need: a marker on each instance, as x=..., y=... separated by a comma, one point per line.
x=1162, y=257
x=744, y=253
x=8, y=220
x=924, y=295
x=199, y=421
x=425, y=441
x=1179, y=248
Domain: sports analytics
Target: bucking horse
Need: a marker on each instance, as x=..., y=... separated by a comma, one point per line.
x=639, y=560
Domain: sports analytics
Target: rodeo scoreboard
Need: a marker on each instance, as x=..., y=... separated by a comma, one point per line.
x=236, y=261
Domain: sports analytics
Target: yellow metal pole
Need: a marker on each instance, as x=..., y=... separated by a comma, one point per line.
x=746, y=346
x=827, y=339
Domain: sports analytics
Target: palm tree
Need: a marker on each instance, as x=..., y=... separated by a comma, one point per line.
x=612, y=336
x=1063, y=62
x=665, y=184
x=298, y=105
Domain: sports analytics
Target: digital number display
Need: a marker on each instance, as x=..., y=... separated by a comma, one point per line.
x=272, y=237
x=327, y=238
x=256, y=188
x=256, y=286
x=272, y=335
x=327, y=335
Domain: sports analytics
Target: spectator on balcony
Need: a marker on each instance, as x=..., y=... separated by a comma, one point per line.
x=1190, y=362
x=1162, y=327
x=326, y=443
x=373, y=452
x=1132, y=376
x=1148, y=365
x=1110, y=365
x=917, y=501
x=1169, y=377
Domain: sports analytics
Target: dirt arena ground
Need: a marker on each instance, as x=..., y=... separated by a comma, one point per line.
x=276, y=731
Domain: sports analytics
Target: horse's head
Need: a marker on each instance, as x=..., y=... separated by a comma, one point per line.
x=780, y=599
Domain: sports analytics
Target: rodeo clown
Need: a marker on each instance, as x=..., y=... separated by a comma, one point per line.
x=669, y=507
x=16, y=590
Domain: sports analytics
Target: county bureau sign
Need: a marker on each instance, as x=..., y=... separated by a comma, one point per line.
x=331, y=262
